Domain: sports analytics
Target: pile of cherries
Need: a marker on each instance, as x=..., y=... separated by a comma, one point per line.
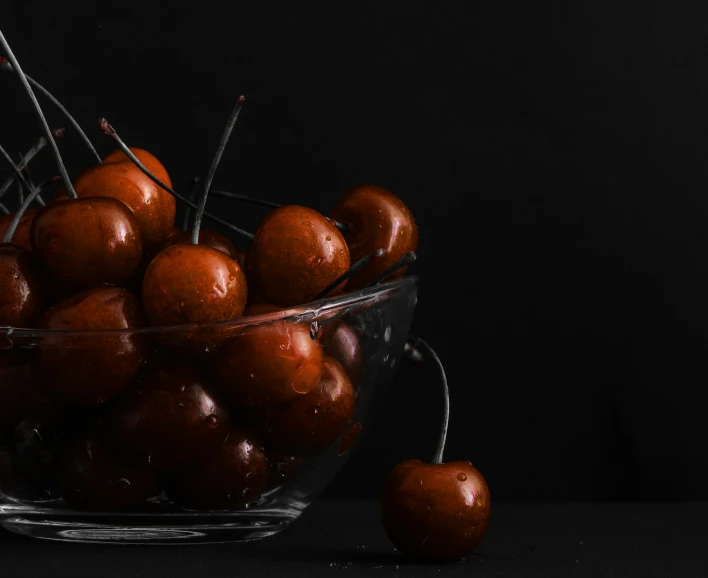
x=107, y=420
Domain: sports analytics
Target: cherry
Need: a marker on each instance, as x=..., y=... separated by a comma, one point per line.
x=282, y=468
x=231, y=478
x=349, y=438
x=148, y=159
x=22, y=233
x=93, y=476
x=192, y=283
x=206, y=238
x=88, y=369
x=343, y=343
x=375, y=219
x=20, y=394
x=437, y=511
x=83, y=243
x=310, y=423
x=154, y=208
x=169, y=418
x=295, y=254
x=21, y=298
x=269, y=362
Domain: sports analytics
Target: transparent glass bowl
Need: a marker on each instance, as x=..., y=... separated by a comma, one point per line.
x=51, y=449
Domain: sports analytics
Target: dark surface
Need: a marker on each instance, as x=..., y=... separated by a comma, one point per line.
x=554, y=156
x=346, y=539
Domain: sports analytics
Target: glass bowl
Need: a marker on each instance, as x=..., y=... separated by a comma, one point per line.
x=67, y=472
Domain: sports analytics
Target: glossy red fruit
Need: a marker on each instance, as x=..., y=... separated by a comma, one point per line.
x=376, y=219
x=86, y=242
x=169, y=418
x=22, y=233
x=349, y=438
x=89, y=369
x=296, y=253
x=310, y=423
x=269, y=363
x=206, y=238
x=193, y=284
x=435, y=512
x=229, y=479
x=149, y=160
x=21, y=287
x=21, y=397
x=95, y=477
x=344, y=345
x=153, y=207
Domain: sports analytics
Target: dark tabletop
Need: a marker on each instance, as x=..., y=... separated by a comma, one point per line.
x=346, y=539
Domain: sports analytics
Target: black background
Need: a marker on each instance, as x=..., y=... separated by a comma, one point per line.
x=554, y=155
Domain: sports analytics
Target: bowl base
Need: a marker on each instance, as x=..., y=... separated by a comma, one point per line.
x=187, y=528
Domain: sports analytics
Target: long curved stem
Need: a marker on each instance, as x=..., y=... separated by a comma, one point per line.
x=212, y=168
x=4, y=209
x=244, y=198
x=192, y=196
x=107, y=129
x=40, y=116
x=355, y=268
x=65, y=112
x=34, y=193
x=440, y=450
x=27, y=158
x=15, y=169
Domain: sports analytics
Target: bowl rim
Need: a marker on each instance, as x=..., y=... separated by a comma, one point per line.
x=307, y=312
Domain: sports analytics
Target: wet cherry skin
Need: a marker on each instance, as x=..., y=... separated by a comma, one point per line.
x=193, y=284
x=238, y=473
x=89, y=369
x=435, y=512
x=310, y=423
x=376, y=219
x=22, y=233
x=83, y=243
x=153, y=207
x=93, y=476
x=207, y=238
x=269, y=362
x=296, y=253
x=21, y=295
x=168, y=418
x=343, y=343
x=148, y=159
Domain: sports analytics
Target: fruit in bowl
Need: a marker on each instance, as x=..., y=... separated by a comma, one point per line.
x=154, y=370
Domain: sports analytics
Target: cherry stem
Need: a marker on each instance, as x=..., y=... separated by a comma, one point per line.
x=34, y=193
x=29, y=155
x=244, y=198
x=107, y=129
x=212, y=169
x=355, y=268
x=59, y=105
x=418, y=342
x=406, y=259
x=15, y=169
x=40, y=116
x=192, y=196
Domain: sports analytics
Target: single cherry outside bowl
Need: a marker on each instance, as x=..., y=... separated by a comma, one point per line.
x=237, y=471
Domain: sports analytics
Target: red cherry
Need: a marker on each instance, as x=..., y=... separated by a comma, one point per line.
x=435, y=512
x=95, y=477
x=153, y=207
x=21, y=297
x=169, y=418
x=229, y=479
x=193, y=284
x=21, y=395
x=376, y=219
x=86, y=242
x=310, y=423
x=89, y=369
x=22, y=233
x=343, y=343
x=296, y=253
x=349, y=438
x=149, y=160
x=269, y=363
